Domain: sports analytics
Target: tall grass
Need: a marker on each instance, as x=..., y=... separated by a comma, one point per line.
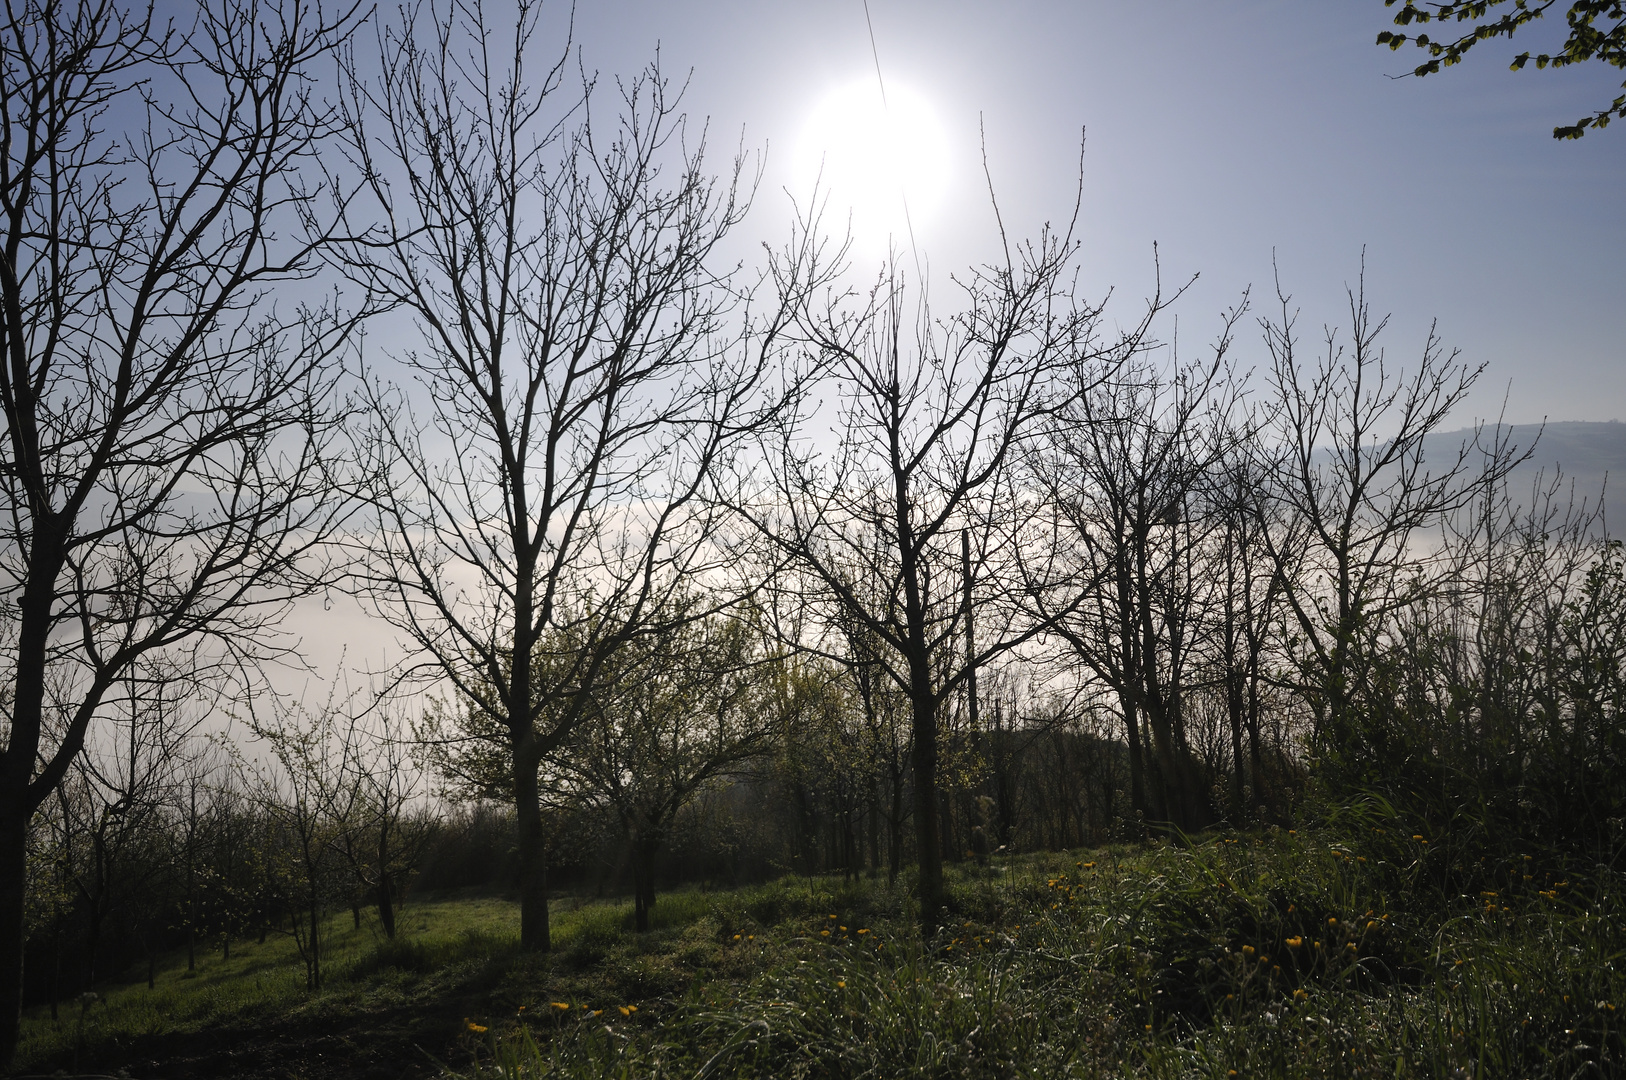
x=1290, y=954
x=1357, y=945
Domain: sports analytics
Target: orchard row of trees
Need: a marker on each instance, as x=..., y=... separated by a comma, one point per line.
x=296, y=300
x=164, y=837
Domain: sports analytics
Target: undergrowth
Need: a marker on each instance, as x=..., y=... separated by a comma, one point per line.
x=1356, y=945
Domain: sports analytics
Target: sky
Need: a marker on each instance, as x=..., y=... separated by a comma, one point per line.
x=1243, y=137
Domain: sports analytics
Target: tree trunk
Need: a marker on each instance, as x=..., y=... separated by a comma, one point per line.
x=534, y=934
x=13, y=872
x=1234, y=709
x=1137, y=765
x=45, y=560
x=316, y=945
x=386, y=898
x=894, y=833
x=928, y=846
x=56, y=966
x=386, y=904
x=872, y=821
x=643, y=883
x=1255, y=752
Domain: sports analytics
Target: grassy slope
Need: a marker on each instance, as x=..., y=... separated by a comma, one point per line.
x=1351, y=949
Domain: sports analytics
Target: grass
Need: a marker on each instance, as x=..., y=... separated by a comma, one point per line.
x=1353, y=947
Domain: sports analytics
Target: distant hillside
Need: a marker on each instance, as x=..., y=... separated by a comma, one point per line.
x=1586, y=451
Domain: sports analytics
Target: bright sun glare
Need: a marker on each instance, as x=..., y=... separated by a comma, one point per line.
x=871, y=158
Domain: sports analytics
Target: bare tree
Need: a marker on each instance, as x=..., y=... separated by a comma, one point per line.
x=1353, y=487
x=584, y=390
x=127, y=788
x=165, y=430
x=1122, y=469
x=383, y=825
x=930, y=414
x=305, y=794
x=1243, y=622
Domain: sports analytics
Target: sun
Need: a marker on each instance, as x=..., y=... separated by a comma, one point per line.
x=882, y=161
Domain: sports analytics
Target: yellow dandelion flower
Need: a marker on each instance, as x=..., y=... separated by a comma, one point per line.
x=1332, y=922
x=1294, y=942
x=863, y=931
x=478, y=1029
x=623, y=1010
x=841, y=928
x=841, y=984
x=1301, y=995
x=1247, y=950
x=736, y=937
x=824, y=933
x=560, y=1004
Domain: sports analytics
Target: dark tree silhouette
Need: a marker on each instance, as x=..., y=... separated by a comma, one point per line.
x=163, y=464
x=931, y=414
x=584, y=389
x=1350, y=486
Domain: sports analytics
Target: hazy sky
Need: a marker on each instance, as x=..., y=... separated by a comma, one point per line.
x=1228, y=131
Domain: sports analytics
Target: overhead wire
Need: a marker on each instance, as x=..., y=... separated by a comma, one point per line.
x=886, y=110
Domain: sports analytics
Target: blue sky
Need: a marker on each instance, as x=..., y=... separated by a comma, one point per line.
x=1231, y=133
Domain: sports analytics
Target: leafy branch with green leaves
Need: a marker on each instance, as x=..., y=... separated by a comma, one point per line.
x=1586, y=41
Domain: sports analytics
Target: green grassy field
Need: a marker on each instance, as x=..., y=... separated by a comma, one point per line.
x=1351, y=948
